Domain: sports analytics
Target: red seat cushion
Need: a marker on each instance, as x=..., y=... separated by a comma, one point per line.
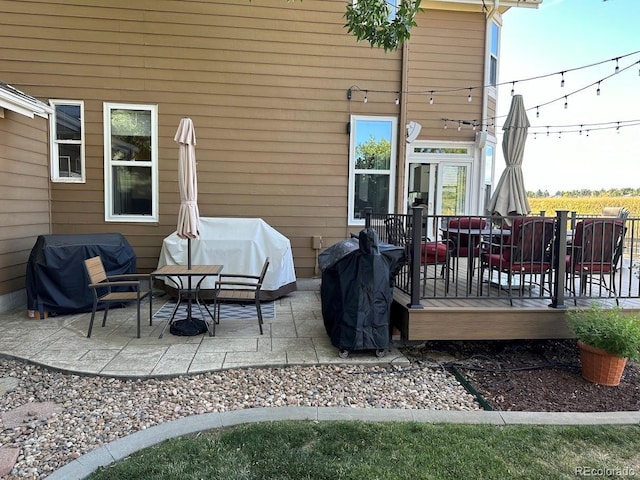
x=433, y=252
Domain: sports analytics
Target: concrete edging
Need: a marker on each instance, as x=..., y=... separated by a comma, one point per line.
x=118, y=450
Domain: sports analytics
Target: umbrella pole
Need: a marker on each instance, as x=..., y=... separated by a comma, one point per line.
x=189, y=280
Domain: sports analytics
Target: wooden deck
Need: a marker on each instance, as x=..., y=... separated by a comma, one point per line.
x=462, y=314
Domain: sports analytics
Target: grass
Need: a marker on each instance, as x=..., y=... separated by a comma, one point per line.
x=358, y=450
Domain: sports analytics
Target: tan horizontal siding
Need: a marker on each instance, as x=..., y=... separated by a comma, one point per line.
x=264, y=82
x=446, y=53
x=24, y=194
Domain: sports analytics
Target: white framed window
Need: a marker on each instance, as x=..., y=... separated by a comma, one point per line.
x=372, y=165
x=131, y=162
x=494, y=53
x=67, y=141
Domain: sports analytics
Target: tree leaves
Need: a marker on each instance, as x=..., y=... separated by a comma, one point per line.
x=375, y=22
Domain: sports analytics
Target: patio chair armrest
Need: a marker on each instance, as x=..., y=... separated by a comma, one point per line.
x=123, y=276
x=238, y=284
x=115, y=284
x=238, y=275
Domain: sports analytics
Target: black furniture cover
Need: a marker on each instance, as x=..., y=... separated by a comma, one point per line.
x=357, y=291
x=56, y=280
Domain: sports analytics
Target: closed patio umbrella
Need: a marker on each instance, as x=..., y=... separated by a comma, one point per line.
x=188, y=215
x=510, y=196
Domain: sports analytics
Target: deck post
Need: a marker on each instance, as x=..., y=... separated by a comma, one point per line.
x=559, y=262
x=367, y=217
x=414, y=256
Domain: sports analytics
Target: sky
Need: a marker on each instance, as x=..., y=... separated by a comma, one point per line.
x=563, y=35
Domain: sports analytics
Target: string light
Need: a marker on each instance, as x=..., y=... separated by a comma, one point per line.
x=598, y=90
x=459, y=125
x=562, y=81
x=366, y=96
x=537, y=112
x=566, y=103
x=445, y=124
x=398, y=98
x=617, y=66
x=469, y=98
x=513, y=88
x=431, y=98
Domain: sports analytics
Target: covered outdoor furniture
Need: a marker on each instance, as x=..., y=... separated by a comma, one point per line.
x=119, y=289
x=595, y=253
x=527, y=251
x=238, y=288
x=55, y=277
x=241, y=245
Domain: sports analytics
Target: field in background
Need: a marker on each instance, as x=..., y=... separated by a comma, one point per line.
x=584, y=205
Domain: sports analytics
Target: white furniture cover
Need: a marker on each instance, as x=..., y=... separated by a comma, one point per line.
x=241, y=245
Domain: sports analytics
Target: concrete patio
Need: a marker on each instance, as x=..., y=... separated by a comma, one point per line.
x=296, y=336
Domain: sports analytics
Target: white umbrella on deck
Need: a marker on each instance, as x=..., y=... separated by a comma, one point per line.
x=188, y=215
x=510, y=195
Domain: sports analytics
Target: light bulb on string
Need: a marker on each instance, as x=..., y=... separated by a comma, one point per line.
x=547, y=131
x=459, y=125
x=598, y=90
x=580, y=129
x=445, y=124
x=469, y=98
x=513, y=88
x=537, y=112
x=617, y=66
x=366, y=98
x=566, y=103
x=398, y=99
x=475, y=125
x=562, y=81
x=618, y=128
x=431, y=98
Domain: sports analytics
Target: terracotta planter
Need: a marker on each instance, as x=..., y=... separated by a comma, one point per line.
x=601, y=367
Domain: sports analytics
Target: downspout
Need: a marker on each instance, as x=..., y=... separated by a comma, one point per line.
x=402, y=130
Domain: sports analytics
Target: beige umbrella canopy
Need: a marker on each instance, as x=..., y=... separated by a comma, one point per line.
x=510, y=196
x=188, y=215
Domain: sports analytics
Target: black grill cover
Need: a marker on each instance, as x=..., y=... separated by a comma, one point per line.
x=357, y=291
x=56, y=280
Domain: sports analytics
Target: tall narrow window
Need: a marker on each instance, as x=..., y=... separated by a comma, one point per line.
x=494, y=50
x=131, y=162
x=67, y=141
x=372, y=164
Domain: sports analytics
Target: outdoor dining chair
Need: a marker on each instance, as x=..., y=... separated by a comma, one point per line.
x=526, y=252
x=464, y=244
x=432, y=252
x=594, y=254
x=238, y=288
x=108, y=289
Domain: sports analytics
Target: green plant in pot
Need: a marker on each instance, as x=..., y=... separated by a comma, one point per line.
x=606, y=339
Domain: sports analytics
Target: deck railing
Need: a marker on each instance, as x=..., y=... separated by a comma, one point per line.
x=426, y=276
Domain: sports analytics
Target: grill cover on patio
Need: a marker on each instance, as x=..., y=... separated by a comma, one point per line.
x=357, y=291
x=56, y=280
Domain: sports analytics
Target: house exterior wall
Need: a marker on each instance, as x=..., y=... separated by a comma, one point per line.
x=265, y=83
x=24, y=197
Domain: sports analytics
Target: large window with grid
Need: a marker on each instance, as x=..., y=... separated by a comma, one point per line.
x=372, y=165
x=131, y=162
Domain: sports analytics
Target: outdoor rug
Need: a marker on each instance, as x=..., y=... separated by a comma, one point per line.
x=229, y=311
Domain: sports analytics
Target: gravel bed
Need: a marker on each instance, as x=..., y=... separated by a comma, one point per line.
x=95, y=410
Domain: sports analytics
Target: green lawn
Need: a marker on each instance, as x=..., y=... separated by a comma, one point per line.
x=366, y=451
